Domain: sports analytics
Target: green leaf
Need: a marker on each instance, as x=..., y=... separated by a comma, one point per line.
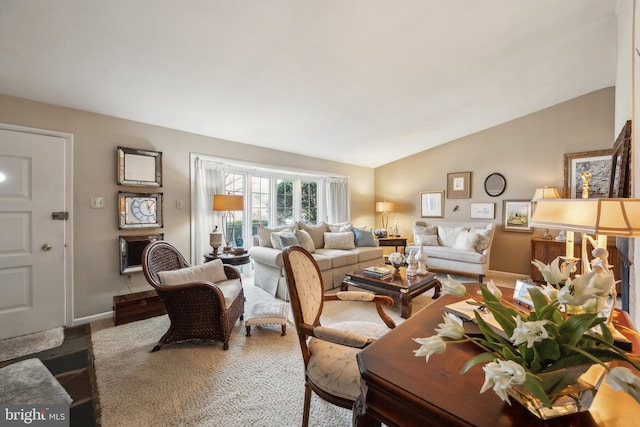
x=538, y=298
x=480, y=358
x=533, y=385
x=573, y=328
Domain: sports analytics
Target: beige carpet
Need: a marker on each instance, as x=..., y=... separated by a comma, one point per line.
x=257, y=382
x=12, y=348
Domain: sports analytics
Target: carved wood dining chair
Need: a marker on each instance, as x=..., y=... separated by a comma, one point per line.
x=329, y=352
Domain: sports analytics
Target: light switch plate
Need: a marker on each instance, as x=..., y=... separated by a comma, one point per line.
x=97, y=202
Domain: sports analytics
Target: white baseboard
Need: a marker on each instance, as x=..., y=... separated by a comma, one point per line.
x=89, y=319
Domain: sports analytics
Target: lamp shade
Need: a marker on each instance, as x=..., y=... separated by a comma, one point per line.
x=385, y=206
x=545, y=193
x=228, y=202
x=611, y=217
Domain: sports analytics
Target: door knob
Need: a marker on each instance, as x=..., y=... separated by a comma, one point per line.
x=46, y=247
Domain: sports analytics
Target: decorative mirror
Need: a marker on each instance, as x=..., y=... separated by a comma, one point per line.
x=495, y=184
x=139, y=167
x=139, y=210
x=131, y=248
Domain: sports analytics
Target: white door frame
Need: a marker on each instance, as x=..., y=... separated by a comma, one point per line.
x=68, y=202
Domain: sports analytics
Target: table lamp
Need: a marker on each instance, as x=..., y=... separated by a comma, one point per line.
x=385, y=208
x=599, y=217
x=228, y=203
x=541, y=194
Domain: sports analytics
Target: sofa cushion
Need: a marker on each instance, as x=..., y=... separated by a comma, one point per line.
x=264, y=233
x=305, y=240
x=364, y=237
x=368, y=253
x=339, y=258
x=316, y=232
x=212, y=271
x=276, y=238
x=484, y=238
x=447, y=235
x=323, y=261
x=453, y=254
x=341, y=240
x=425, y=240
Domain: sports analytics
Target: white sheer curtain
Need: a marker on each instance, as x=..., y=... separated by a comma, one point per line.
x=209, y=180
x=337, y=200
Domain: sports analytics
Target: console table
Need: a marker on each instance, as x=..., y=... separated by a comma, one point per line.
x=393, y=241
x=399, y=389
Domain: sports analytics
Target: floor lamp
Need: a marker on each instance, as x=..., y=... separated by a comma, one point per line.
x=228, y=203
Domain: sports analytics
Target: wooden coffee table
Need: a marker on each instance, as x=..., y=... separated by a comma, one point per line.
x=399, y=287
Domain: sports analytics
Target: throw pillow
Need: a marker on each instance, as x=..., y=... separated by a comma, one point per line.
x=339, y=227
x=343, y=240
x=423, y=230
x=305, y=240
x=212, y=271
x=466, y=241
x=275, y=238
x=264, y=234
x=447, y=235
x=288, y=239
x=316, y=232
x=483, y=239
x=364, y=237
x=426, y=240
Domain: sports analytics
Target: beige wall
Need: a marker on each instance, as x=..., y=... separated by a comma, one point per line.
x=528, y=151
x=96, y=264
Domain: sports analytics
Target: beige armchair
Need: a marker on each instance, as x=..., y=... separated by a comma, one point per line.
x=329, y=352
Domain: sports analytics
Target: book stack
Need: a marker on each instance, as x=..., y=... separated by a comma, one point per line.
x=380, y=273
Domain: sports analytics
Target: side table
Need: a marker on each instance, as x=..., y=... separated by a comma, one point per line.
x=229, y=258
x=393, y=241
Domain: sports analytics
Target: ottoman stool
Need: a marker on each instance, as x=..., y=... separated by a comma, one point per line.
x=267, y=313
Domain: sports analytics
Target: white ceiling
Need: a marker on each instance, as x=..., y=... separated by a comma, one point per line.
x=360, y=81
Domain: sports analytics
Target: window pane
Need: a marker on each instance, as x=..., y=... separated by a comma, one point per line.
x=284, y=202
x=309, y=202
x=234, y=184
x=259, y=203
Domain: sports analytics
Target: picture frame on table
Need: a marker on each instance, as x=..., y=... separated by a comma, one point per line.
x=483, y=210
x=597, y=163
x=459, y=185
x=516, y=216
x=432, y=204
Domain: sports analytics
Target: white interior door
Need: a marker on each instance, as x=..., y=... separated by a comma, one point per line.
x=32, y=243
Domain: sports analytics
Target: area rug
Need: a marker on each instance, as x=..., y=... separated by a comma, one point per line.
x=12, y=348
x=259, y=381
x=30, y=382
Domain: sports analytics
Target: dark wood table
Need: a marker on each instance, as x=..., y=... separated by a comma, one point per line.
x=399, y=389
x=229, y=258
x=393, y=241
x=400, y=287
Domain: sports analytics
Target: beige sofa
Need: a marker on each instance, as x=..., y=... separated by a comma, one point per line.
x=463, y=247
x=337, y=248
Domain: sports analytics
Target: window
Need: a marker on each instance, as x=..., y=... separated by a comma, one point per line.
x=284, y=202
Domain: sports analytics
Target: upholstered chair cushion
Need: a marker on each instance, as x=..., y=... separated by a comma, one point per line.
x=334, y=368
x=212, y=271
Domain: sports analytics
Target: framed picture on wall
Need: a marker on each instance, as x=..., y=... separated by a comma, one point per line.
x=459, y=185
x=432, y=204
x=139, y=210
x=139, y=167
x=620, y=185
x=483, y=210
x=516, y=215
x=597, y=163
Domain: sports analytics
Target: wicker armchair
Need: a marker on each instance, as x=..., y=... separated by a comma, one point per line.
x=197, y=310
x=329, y=351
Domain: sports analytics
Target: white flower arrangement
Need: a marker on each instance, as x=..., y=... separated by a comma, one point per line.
x=547, y=339
x=396, y=258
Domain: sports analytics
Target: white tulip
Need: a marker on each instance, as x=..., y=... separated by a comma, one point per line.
x=451, y=328
x=429, y=346
x=500, y=375
x=529, y=332
x=621, y=378
x=453, y=287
